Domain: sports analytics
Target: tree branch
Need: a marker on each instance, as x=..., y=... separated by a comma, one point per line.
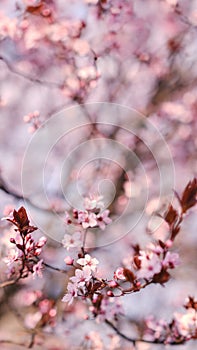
x=54, y=268
x=134, y=340
x=36, y=80
x=4, y=187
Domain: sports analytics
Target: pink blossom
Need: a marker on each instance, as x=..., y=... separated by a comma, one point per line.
x=119, y=273
x=67, y=218
x=93, y=202
x=103, y=219
x=88, y=261
x=71, y=293
x=13, y=255
x=156, y=329
x=187, y=323
x=8, y=210
x=171, y=260
x=68, y=260
x=34, y=119
x=87, y=219
x=42, y=241
x=155, y=248
x=72, y=241
x=37, y=269
x=82, y=276
x=94, y=341
x=31, y=320
x=110, y=307
x=150, y=265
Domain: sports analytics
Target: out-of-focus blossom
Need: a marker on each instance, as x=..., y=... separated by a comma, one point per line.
x=187, y=323
x=31, y=320
x=110, y=307
x=93, y=202
x=94, y=341
x=171, y=260
x=34, y=120
x=73, y=241
x=37, y=269
x=150, y=265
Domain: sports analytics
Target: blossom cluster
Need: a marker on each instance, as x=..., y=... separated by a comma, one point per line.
x=183, y=327
x=23, y=259
x=81, y=280
x=92, y=216
x=150, y=263
x=85, y=284
x=141, y=268
x=44, y=316
x=33, y=119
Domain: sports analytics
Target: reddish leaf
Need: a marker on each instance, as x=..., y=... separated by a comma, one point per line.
x=162, y=244
x=171, y=215
x=137, y=261
x=191, y=304
x=35, y=10
x=129, y=275
x=175, y=231
x=161, y=277
x=21, y=217
x=188, y=198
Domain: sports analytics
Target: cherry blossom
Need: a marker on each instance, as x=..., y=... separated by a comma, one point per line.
x=82, y=276
x=73, y=241
x=140, y=58
x=171, y=260
x=93, y=202
x=119, y=273
x=34, y=120
x=150, y=265
x=71, y=293
x=23, y=260
x=103, y=219
x=186, y=323
x=13, y=255
x=88, y=261
x=31, y=320
x=87, y=219
x=37, y=269
x=92, y=216
x=109, y=308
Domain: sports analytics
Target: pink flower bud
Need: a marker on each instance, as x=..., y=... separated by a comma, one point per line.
x=68, y=260
x=169, y=243
x=110, y=293
x=26, y=118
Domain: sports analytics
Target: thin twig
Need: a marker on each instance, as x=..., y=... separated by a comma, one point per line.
x=8, y=283
x=4, y=187
x=134, y=340
x=32, y=79
x=54, y=268
x=4, y=341
x=31, y=344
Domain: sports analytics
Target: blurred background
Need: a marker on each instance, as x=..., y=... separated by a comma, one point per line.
x=96, y=97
